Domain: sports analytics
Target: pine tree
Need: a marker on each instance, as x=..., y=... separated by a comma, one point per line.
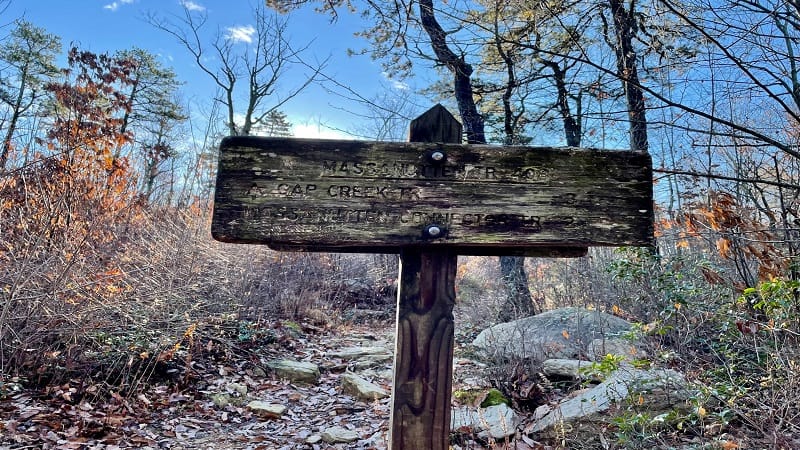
x=28, y=63
x=274, y=124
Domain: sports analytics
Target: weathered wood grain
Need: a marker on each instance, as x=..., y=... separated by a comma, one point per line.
x=310, y=194
x=423, y=363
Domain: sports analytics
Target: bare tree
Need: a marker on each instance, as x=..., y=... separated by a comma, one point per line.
x=391, y=38
x=247, y=68
x=387, y=115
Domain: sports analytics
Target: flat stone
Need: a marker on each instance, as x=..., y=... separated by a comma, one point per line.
x=382, y=374
x=238, y=388
x=654, y=390
x=313, y=439
x=221, y=400
x=569, y=368
x=497, y=421
x=268, y=410
x=339, y=435
x=297, y=371
x=362, y=389
x=370, y=361
x=350, y=353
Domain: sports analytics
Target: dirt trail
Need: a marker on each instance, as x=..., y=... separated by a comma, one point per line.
x=209, y=412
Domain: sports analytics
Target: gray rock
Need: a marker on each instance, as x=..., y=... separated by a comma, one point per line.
x=297, y=371
x=350, y=353
x=569, y=368
x=497, y=421
x=339, y=435
x=653, y=390
x=221, y=400
x=313, y=439
x=564, y=333
x=268, y=410
x=361, y=388
x=318, y=317
x=630, y=349
x=370, y=361
x=236, y=388
x=386, y=374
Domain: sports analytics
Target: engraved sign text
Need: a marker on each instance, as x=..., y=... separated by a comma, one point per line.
x=309, y=194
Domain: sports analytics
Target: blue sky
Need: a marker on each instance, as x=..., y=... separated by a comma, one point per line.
x=111, y=25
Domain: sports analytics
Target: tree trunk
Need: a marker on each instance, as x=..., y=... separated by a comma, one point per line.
x=516, y=283
x=12, y=125
x=470, y=118
x=572, y=124
x=518, y=302
x=624, y=31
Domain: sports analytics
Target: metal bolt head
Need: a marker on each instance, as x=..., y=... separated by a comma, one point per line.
x=437, y=156
x=433, y=231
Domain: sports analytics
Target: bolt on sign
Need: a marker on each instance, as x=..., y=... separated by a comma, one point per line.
x=376, y=197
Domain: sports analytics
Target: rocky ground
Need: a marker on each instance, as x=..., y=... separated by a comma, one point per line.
x=232, y=397
x=299, y=386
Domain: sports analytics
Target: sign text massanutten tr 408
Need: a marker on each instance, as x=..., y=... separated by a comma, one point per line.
x=355, y=196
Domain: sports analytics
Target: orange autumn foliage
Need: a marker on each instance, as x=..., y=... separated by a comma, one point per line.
x=737, y=232
x=77, y=191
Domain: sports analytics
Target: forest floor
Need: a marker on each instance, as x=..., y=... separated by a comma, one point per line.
x=175, y=408
x=196, y=397
x=179, y=407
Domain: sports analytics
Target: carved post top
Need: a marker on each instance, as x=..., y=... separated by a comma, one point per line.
x=435, y=125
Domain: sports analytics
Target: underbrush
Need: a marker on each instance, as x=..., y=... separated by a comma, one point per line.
x=120, y=315
x=108, y=308
x=739, y=347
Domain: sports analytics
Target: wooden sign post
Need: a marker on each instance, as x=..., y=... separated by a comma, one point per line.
x=424, y=334
x=429, y=200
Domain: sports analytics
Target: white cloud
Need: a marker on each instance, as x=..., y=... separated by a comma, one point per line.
x=192, y=6
x=113, y=6
x=318, y=131
x=306, y=127
x=399, y=85
x=241, y=33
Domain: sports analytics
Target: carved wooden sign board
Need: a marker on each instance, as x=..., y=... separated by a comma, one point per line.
x=373, y=197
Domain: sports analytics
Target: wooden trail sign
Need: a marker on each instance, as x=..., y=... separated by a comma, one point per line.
x=429, y=200
x=372, y=197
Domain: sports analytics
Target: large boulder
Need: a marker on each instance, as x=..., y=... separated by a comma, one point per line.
x=566, y=333
x=628, y=348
